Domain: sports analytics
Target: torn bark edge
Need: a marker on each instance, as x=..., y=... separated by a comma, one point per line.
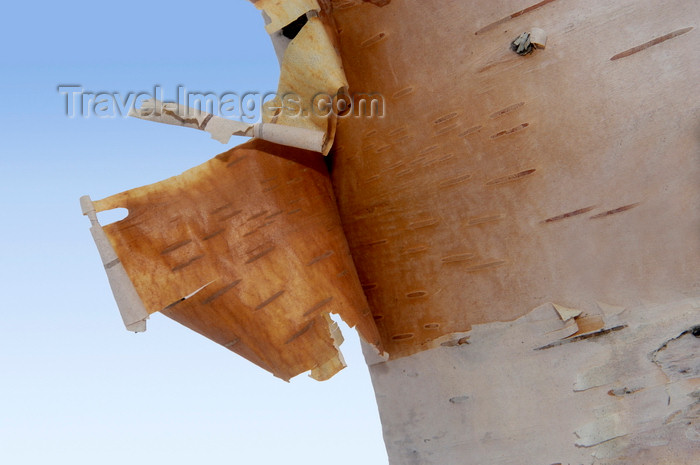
x=283, y=22
x=566, y=313
x=280, y=40
x=133, y=312
x=334, y=365
x=278, y=14
x=281, y=16
x=221, y=129
x=576, y=326
x=371, y=352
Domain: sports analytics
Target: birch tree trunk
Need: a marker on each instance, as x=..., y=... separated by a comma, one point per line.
x=526, y=227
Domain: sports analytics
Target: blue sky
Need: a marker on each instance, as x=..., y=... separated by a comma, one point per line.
x=76, y=387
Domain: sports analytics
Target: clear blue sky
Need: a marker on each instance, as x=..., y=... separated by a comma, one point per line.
x=76, y=387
